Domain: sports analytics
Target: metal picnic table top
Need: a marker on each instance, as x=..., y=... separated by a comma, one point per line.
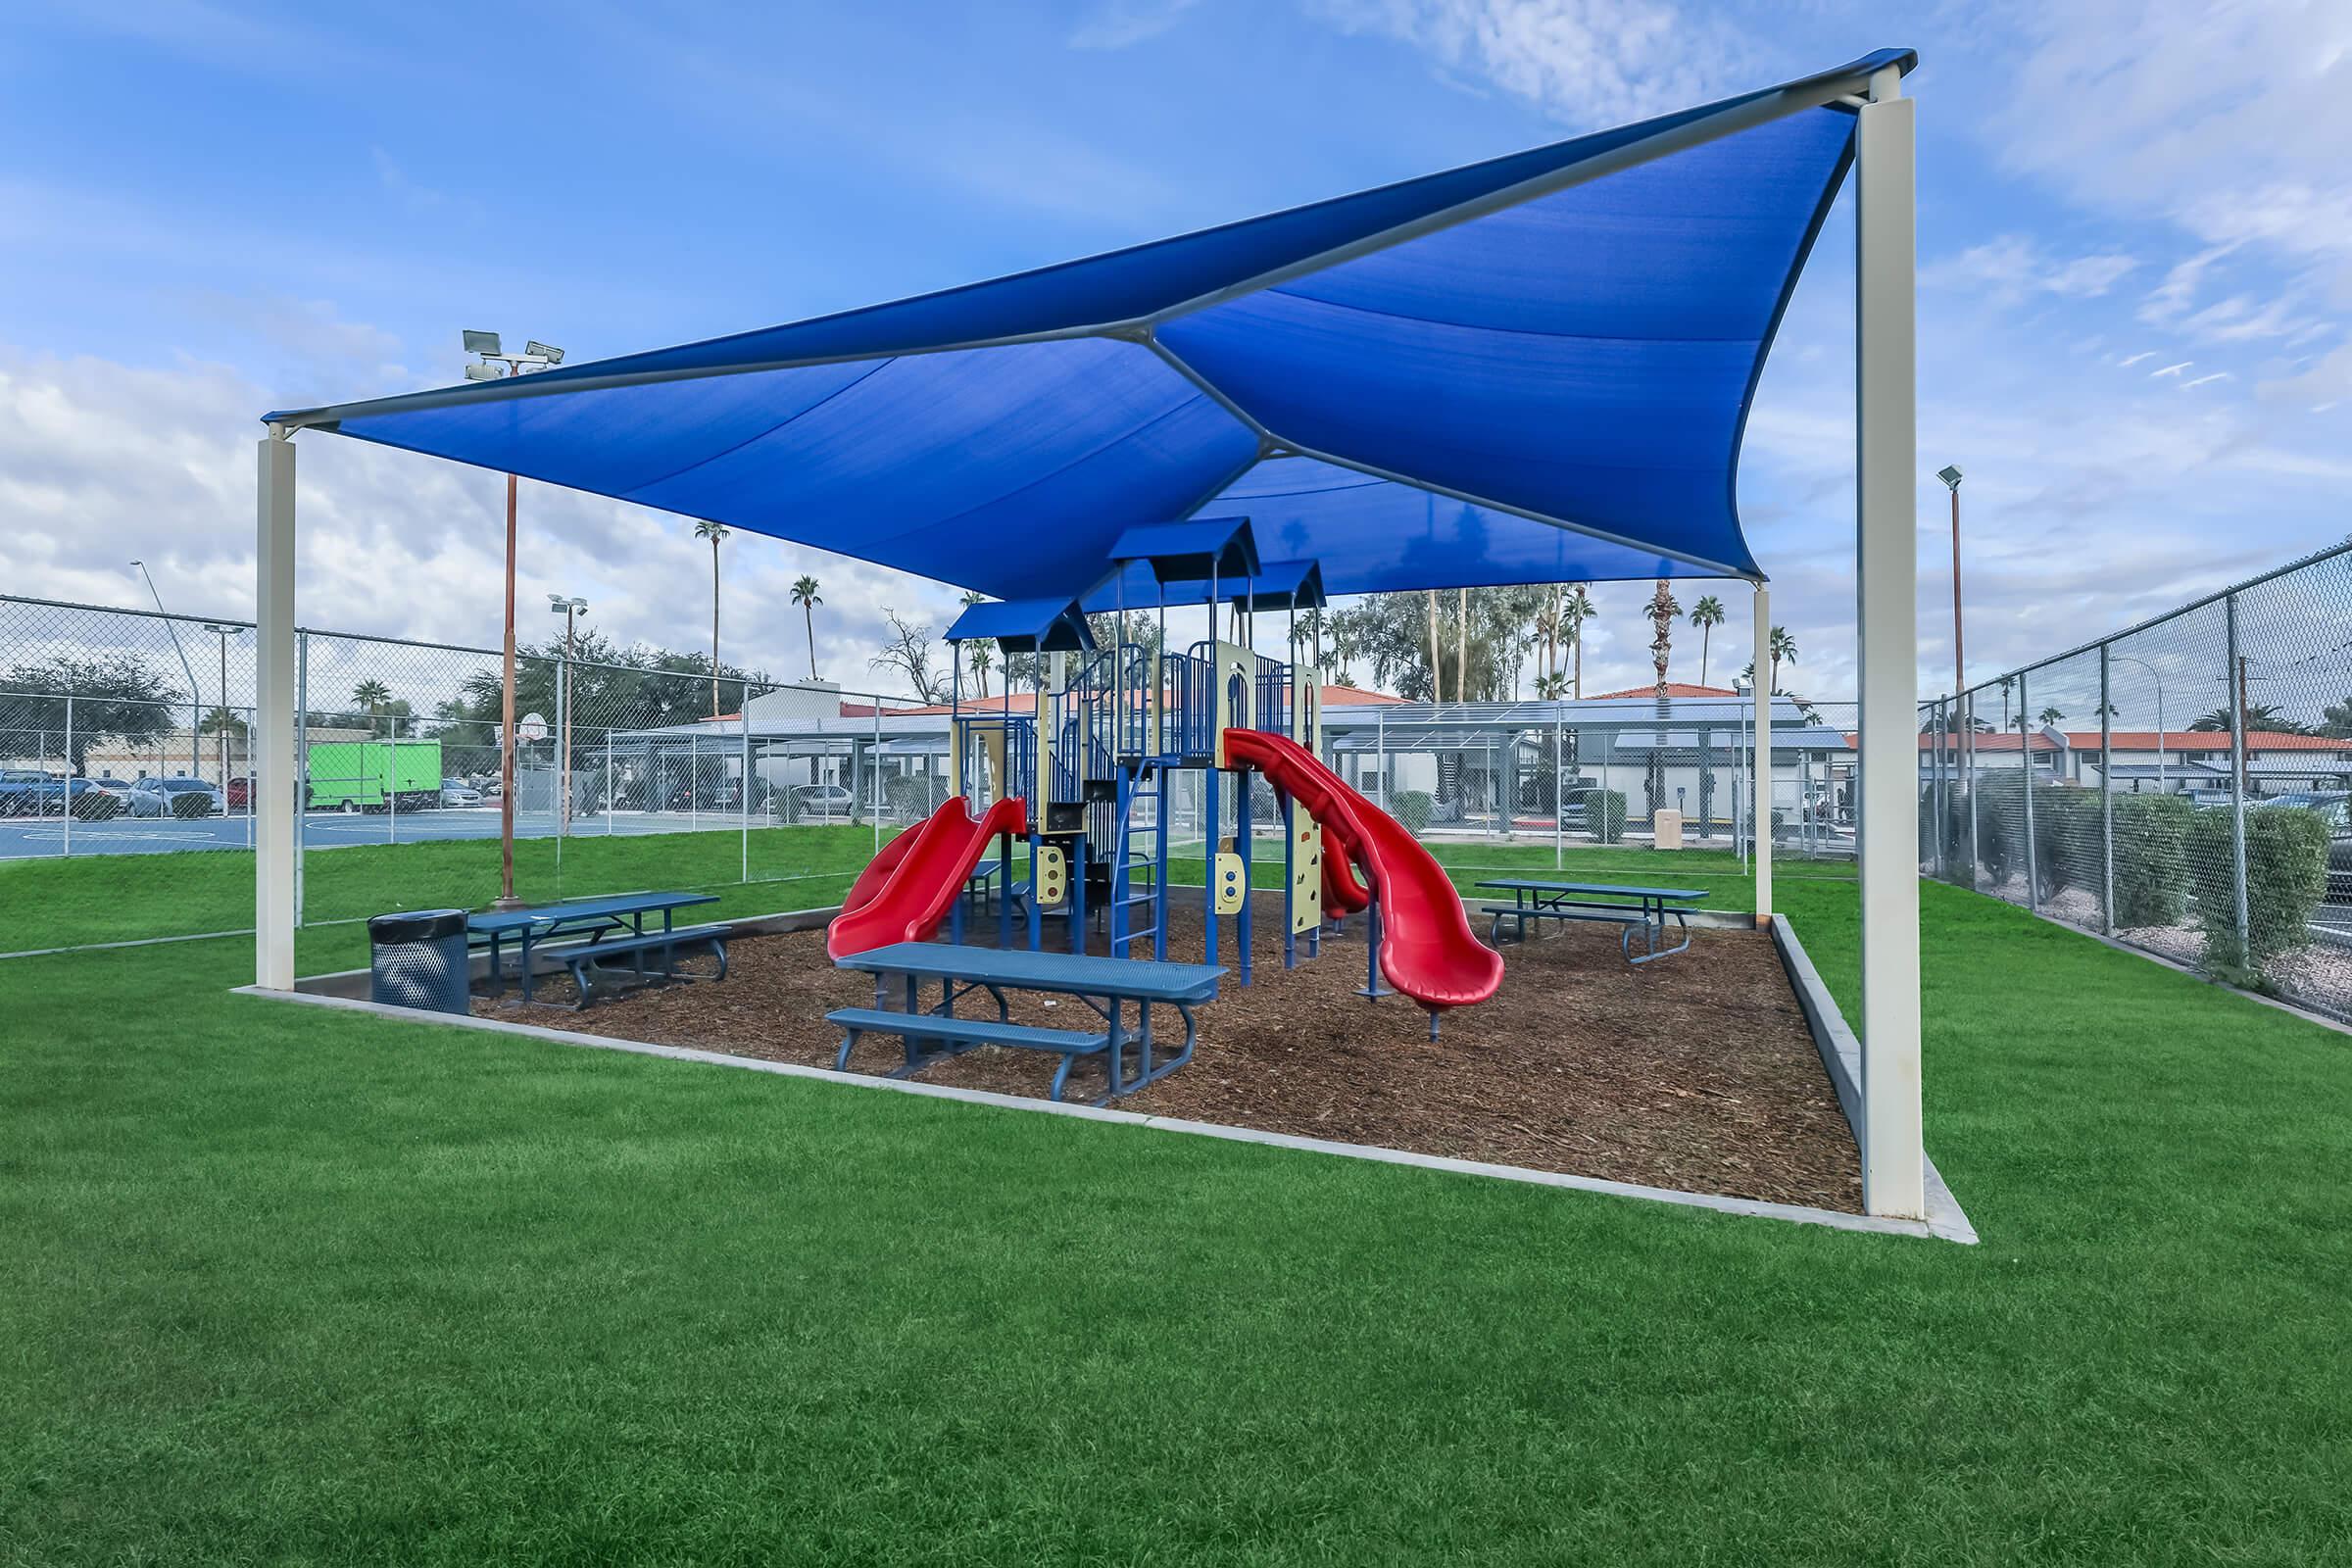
x=1623, y=890
x=1074, y=974
x=532, y=917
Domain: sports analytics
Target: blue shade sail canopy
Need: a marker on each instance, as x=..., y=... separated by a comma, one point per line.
x=1025, y=625
x=1532, y=369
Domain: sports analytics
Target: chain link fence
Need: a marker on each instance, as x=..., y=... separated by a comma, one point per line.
x=2181, y=786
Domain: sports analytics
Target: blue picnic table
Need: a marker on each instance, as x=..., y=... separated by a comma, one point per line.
x=597, y=920
x=1646, y=909
x=1107, y=986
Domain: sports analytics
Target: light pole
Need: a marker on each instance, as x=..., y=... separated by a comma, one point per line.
x=493, y=365
x=224, y=633
x=1950, y=476
x=568, y=608
x=2158, y=675
x=195, y=697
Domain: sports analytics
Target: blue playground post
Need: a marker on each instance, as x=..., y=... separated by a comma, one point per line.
x=1372, y=988
x=1241, y=844
x=1208, y=866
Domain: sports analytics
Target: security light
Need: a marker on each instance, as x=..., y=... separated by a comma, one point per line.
x=552, y=355
x=481, y=342
x=483, y=372
x=1950, y=476
x=558, y=603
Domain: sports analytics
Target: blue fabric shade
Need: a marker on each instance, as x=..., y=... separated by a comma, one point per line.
x=1025, y=625
x=1532, y=369
x=1203, y=547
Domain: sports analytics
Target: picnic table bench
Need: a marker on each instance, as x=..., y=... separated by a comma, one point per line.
x=593, y=924
x=1106, y=985
x=1645, y=909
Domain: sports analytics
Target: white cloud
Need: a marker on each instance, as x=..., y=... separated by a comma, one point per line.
x=101, y=463
x=1590, y=63
x=2012, y=266
x=1124, y=23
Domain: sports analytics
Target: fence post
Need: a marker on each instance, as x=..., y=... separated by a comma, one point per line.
x=611, y=787
x=1559, y=801
x=2237, y=785
x=2106, y=797
x=2024, y=752
x=744, y=801
x=1380, y=747
x=875, y=815
x=302, y=762
x=1968, y=761
x=70, y=771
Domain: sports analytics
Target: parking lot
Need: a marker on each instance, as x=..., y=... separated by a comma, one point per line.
x=23, y=838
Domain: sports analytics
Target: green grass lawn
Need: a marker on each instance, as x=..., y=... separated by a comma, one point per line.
x=285, y=1286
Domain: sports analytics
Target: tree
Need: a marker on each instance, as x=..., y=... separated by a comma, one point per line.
x=1783, y=649
x=2259, y=716
x=1575, y=610
x=2048, y=717
x=805, y=595
x=115, y=698
x=908, y=652
x=715, y=532
x=1706, y=616
x=1437, y=683
x=981, y=661
x=1662, y=611
x=372, y=693
x=2335, y=721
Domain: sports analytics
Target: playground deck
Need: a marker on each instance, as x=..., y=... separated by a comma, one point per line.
x=1693, y=1075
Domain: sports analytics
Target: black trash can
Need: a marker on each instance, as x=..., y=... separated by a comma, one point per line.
x=419, y=960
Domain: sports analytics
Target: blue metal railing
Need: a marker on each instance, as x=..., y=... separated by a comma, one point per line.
x=1191, y=716
x=1273, y=695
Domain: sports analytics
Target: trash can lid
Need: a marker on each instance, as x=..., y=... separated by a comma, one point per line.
x=416, y=925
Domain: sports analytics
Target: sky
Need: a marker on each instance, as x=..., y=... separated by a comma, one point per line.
x=2135, y=240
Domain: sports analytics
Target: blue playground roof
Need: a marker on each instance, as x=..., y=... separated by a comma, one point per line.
x=1532, y=369
x=1171, y=551
x=1025, y=625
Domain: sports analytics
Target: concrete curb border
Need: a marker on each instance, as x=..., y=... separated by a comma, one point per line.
x=1944, y=1221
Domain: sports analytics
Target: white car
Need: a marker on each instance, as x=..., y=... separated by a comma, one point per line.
x=457, y=792
x=172, y=797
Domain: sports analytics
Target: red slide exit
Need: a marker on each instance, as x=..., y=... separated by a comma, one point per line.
x=1427, y=948
x=910, y=886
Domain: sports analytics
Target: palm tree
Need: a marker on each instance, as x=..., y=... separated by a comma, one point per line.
x=805, y=595
x=715, y=533
x=1783, y=649
x=1706, y=616
x=1549, y=685
x=1575, y=610
x=2258, y=717
x=980, y=666
x=1436, y=683
x=2049, y=715
x=372, y=693
x=1662, y=611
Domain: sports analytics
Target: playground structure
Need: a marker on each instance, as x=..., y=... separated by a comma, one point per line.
x=1083, y=777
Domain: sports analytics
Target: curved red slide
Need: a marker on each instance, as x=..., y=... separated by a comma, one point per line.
x=1427, y=949
x=919, y=875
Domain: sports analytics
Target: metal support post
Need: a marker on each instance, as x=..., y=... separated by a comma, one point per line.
x=1886, y=400
x=2237, y=786
x=273, y=779
x=2025, y=753
x=2106, y=796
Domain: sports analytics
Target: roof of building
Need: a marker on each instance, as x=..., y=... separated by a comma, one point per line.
x=1674, y=688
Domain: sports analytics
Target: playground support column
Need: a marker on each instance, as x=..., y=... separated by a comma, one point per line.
x=1887, y=573
x=1759, y=819
x=274, y=785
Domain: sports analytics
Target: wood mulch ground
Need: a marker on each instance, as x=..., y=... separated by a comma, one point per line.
x=1697, y=1072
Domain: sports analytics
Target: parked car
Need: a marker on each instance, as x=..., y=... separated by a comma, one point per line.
x=176, y=796
x=807, y=801
x=23, y=793
x=457, y=792
x=238, y=792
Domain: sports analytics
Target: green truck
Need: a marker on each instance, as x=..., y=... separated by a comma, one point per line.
x=374, y=776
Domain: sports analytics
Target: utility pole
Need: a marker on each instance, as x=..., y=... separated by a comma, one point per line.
x=495, y=364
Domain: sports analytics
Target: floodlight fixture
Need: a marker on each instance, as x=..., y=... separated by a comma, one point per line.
x=560, y=605
x=548, y=351
x=1949, y=475
x=483, y=372
x=481, y=342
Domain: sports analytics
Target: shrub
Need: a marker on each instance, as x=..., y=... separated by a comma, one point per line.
x=1412, y=810
x=2069, y=850
x=2152, y=859
x=96, y=805
x=914, y=797
x=2287, y=876
x=1604, y=815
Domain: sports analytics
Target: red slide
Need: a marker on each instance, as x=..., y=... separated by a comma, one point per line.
x=1427, y=949
x=902, y=896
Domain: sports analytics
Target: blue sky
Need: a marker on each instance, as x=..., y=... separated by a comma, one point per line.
x=2135, y=237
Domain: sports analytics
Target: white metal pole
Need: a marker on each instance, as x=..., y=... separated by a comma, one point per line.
x=71, y=773
x=1886, y=406
x=1759, y=816
x=274, y=782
